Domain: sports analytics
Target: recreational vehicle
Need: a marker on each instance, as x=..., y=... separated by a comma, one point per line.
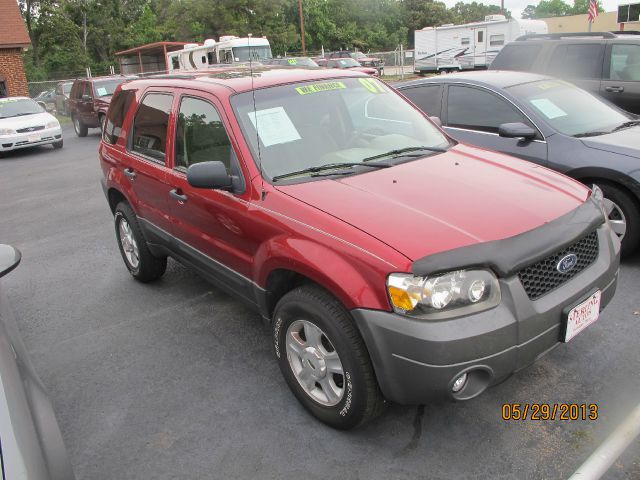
x=228, y=50
x=469, y=46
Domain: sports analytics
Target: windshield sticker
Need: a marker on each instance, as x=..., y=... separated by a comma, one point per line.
x=320, y=87
x=372, y=85
x=102, y=92
x=274, y=126
x=548, y=108
x=293, y=61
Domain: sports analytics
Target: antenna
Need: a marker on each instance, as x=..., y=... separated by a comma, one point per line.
x=255, y=117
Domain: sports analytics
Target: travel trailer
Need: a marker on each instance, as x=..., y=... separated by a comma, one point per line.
x=473, y=45
x=228, y=50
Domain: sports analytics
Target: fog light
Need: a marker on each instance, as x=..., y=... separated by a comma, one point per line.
x=459, y=383
x=476, y=290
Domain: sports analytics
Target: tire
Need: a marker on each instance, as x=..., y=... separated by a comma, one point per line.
x=147, y=268
x=80, y=128
x=310, y=316
x=626, y=207
x=58, y=145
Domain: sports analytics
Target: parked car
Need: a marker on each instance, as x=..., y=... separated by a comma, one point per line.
x=62, y=97
x=347, y=63
x=31, y=445
x=89, y=101
x=361, y=58
x=24, y=123
x=546, y=121
x=604, y=63
x=291, y=62
x=47, y=100
x=392, y=261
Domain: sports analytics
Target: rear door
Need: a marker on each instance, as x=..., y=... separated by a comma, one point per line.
x=580, y=63
x=473, y=115
x=621, y=79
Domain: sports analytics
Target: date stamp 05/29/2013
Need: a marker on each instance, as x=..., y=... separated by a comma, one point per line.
x=550, y=411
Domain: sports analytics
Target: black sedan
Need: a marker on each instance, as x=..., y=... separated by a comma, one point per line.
x=546, y=121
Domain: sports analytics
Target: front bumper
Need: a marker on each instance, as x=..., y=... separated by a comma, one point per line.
x=418, y=360
x=30, y=139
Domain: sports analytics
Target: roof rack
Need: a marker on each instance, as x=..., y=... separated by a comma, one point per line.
x=551, y=36
x=626, y=32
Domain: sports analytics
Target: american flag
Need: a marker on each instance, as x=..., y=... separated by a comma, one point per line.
x=593, y=10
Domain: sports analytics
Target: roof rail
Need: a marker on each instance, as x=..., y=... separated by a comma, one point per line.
x=551, y=36
x=626, y=32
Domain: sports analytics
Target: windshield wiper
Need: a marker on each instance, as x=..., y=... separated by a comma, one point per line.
x=590, y=134
x=330, y=166
x=403, y=151
x=628, y=124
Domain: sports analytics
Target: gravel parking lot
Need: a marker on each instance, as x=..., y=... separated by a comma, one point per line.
x=177, y=380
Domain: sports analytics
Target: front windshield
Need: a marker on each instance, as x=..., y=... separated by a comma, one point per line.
x=18, y=107
x=300, y=62
x=347, y=63
x=242, y=54
x=105, y=88
x=569, y=109
x=314, y=124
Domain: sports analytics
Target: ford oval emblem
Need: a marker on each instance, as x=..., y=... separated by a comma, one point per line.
x=567, y=263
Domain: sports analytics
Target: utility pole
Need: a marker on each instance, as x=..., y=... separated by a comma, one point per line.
x=304, y=48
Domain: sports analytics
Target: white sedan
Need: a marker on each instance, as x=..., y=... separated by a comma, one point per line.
x=24, y=123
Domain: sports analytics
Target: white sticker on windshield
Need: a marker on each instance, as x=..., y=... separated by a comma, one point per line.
x=102, y=92
x=274, y=126
x=548, y=108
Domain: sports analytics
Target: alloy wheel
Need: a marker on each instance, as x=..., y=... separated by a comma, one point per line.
x=129, y=244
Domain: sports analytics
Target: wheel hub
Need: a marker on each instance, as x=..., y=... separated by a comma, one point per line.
x=312, y=359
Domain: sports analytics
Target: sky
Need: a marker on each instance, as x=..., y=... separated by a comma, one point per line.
x=517, y=6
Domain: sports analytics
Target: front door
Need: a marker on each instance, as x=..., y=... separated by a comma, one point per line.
x=473, y=115
x=621, y=79
x=212, y=226
x=480, y=47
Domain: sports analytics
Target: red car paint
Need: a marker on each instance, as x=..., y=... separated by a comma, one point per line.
x=347, y=234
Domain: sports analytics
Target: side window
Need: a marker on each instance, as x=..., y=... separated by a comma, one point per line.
x=577, y=61
x=76, y=90
x=149, y=135
x=115, y=116
x=88, y=89
x=496, y=40
x=477, y=109
x=427, y=97
x=331, y=63
x=200, y=135
x=480, y=36
x=464, y=41
x=625, y=63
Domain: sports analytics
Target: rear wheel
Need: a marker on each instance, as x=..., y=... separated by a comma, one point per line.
x=323, y=358
x=80, y=128
x=624, y=217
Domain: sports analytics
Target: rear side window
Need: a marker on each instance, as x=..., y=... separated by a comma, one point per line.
x=519, y=57
x=577, y=61
x=200, y=135
x=496, y=40
x=625, y=63
x=149, y=136
x=468, y=108
x=427, y=97
x=115, y=116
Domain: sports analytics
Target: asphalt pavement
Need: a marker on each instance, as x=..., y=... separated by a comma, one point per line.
x=178, y=380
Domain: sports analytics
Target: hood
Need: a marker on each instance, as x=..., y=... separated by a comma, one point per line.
x=34, y=120
x=445, y=201
x=624, y=142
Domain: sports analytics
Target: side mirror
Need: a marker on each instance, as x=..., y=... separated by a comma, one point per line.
x=210, y=175
x=436, y=120
x=516, y=130
x=9, y=259
x=86, y=98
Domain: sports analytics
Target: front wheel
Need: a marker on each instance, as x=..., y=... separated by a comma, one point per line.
x=323, y=358
x=624, y=217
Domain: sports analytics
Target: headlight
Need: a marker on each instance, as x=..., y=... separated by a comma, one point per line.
x=7, y=131
x=445, y=295
x=53, y=124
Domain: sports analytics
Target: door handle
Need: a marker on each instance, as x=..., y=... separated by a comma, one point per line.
x=175, y=193
x=130, y=173
x=614, y=89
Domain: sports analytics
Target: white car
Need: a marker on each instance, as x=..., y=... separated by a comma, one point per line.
x=24, y=123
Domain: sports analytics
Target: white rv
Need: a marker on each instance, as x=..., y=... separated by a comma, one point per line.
x=474, y=45
x=228, y=50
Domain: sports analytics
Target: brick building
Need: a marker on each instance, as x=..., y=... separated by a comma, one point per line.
x=13, y=39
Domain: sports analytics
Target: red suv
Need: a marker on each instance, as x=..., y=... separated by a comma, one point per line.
x=392, y=262
x=89, y=101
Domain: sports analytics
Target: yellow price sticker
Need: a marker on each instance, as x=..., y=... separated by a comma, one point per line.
x=293, y=61
x=320, y=87
x=372, y=85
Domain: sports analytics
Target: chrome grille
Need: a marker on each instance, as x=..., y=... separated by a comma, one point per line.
x=543, y=276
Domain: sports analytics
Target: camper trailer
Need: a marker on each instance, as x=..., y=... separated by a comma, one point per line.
x=464, y=47
x=228, y=50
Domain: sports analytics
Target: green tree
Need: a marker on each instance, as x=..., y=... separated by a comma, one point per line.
x=474, y=12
